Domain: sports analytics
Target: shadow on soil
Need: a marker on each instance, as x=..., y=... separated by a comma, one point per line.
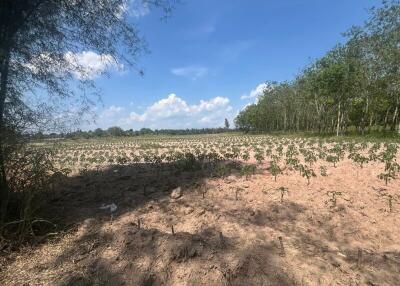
x=148, y=256
x=139, y=255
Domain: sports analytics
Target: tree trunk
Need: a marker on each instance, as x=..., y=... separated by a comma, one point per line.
x=371, y=120
x=4, y=188
x=394, y=119
x=284, y=121
x=386, y=120
x=318, y=113
x=365, y=113
x=338, y=120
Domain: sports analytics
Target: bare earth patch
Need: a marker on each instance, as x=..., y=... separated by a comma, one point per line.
x=220, y=231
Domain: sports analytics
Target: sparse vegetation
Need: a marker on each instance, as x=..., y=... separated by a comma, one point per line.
x=303, y=190
x=238, y=163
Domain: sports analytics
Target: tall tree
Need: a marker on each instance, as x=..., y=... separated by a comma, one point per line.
x=356, y=84
x=41, y=45
x=226, y=123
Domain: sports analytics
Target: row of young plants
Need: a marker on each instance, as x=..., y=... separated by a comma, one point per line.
x=307, y=156
x=44, y=166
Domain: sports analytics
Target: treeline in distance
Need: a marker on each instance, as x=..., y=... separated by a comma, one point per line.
x=356, y=85
x=119, y=132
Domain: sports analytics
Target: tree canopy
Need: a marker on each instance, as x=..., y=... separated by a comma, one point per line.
x=43, y=79
x=356, y=84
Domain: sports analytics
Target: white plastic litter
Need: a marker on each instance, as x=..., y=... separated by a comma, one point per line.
x=112, y=207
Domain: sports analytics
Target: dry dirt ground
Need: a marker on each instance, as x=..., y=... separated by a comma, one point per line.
x=220, y=231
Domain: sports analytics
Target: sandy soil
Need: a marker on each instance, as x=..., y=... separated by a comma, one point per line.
x=226, y=231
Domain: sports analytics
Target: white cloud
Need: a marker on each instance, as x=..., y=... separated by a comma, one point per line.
x=168, y=107
x=137, y=117
x=171, y=112
x=206, y=119
x=192, y=72
x=112, y=111
x=88, y=64
x=210, y=105
x=174, y=112
x=257, y=92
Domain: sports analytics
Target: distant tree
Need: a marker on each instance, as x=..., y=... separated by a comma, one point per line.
x=145, y=131
x=129, y=132
x=115, y=131
x=226, y=123
x=98, y=132
x=243, y=120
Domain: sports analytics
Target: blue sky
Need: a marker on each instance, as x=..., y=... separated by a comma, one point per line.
x=207, y=60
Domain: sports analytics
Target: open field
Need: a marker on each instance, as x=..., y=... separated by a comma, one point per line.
x=218, y=210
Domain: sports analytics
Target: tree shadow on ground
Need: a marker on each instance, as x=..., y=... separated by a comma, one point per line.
x=116, y=249
x=153, y=257
x=138, y=255
x=127, y=186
